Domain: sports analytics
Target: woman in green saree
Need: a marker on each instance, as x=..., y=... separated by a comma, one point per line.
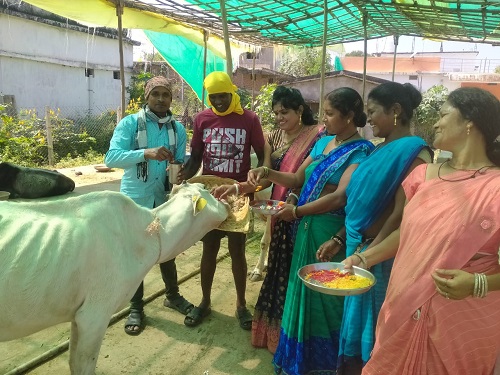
x=308, y=340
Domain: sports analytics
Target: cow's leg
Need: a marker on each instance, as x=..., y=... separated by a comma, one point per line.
x=256, y=274
x=87, y=333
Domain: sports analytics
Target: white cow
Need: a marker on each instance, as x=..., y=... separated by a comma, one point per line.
x=80, y=259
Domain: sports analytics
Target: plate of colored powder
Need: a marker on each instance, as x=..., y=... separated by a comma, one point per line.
x=331, y=278
x=267, y=206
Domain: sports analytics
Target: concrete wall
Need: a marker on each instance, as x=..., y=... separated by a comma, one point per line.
x=423, y=82
x=44, y=65
x=310, y=88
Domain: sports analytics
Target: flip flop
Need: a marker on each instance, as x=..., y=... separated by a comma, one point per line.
x=135, y=319
x=245, y=318
x=180, y=304
x=196, y=316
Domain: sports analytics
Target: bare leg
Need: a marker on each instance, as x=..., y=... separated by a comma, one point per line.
x=236, y=244
x=211, y=246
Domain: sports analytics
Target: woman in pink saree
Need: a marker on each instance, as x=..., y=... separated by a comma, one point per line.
x=441, y=314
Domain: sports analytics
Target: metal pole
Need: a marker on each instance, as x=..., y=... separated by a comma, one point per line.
x=229, y=60
x=323, y=59
x=50, y=141
x=365, y=22
x=205, y=39
x=119, y=12
x=253, y=80
x=396, y=41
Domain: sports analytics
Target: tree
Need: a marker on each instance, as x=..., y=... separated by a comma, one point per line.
x=135, y=88
x=303, y=61
x=497, y=70
x=355, y=53
x=427, y=113
x=263, y=107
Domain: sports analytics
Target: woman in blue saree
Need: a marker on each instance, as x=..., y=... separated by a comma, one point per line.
x=308, y=342
x=372, y=212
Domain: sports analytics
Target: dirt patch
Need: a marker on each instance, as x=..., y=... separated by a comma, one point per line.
x=218, y=346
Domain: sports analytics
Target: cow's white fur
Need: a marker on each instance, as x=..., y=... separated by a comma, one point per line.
x=80, y=259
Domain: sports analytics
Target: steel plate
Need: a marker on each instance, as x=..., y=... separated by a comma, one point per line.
x=336, y=292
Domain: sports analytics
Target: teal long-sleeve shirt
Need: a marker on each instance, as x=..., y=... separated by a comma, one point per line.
x=123, y=154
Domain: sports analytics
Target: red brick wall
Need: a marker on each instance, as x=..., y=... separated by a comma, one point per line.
x=494, y=88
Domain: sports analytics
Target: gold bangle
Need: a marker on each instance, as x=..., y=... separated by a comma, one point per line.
x=266, y=172
x=362, y=257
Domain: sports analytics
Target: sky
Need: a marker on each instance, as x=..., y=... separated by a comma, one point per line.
x=406, y=44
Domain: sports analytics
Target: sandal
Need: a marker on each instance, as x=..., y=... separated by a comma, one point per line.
x=196, y=316
x=180, y=304
x=135, y=319
x=245, y=318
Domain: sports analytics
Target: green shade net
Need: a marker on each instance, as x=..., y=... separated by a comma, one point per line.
x=337, y=65
x=186, y=58
x=301, y=22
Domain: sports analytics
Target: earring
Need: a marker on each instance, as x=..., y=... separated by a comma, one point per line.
x=395, y=119
x=348, y=121
x=468, y=129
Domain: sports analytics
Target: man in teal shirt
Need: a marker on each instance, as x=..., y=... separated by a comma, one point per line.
x=143, y=144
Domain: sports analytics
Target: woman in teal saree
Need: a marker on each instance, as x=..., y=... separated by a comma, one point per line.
x=372, y=213
x=308, y=341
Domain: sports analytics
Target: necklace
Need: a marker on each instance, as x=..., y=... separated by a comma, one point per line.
x=339, y=142
x=287, y=142
x=479, y=171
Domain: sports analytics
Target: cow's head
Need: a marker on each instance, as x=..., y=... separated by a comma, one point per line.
x=189, y=214
x=31, y=183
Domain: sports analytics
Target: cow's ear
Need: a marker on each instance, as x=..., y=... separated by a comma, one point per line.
x=199, y=204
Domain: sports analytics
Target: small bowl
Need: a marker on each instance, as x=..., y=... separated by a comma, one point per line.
x=4, y=195
x=336, y=292
x=102, y=168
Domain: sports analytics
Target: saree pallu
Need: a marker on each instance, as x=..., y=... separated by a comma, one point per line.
x=268, y=312
x=308, y=340
x=372, y=187
x=419, y=331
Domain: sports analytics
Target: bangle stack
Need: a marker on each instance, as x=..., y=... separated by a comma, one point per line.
x=362, y=257
x=294, y=195
x=266, y=172
x=238, y=187
x=338, y=240
x=294, y=212
x=480, y=285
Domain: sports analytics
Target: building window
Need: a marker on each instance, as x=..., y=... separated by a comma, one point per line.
x=89, y=72
x=413, y=77
x=116, y=74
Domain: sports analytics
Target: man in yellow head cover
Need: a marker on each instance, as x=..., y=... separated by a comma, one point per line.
x=217, y=84
x=223, y=137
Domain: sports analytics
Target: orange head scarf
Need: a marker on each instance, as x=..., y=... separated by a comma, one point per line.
x=217, y=83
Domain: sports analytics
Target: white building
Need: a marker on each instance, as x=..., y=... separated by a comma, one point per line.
x=46, y=60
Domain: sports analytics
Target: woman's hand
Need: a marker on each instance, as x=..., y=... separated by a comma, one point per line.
x=453, y=284
x=286, y=213
x=255, y=175
x=327, y=251
x=222, y=191
x=352, y=261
